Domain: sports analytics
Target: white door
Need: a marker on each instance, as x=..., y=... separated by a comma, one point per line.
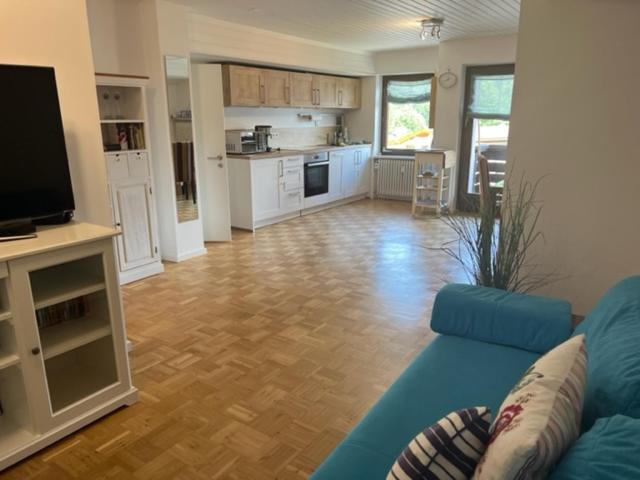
x=210, y=150
x=133, y=212
x=335, y=175
x=349, y=173
x=266, y=175
x=364, y=170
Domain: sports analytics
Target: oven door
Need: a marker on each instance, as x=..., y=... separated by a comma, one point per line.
x=316, y=178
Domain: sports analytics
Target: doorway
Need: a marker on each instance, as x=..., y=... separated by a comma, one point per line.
x=485, y=131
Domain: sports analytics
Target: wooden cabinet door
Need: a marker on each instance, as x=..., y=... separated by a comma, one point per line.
x=265, y=185
x=363, y=165
x=326, y=90
x=348, y=93
x=302, y=91
x=277, y=88
x=243, y=86
x=133, y=212
x=349, y=185
x=335, y=175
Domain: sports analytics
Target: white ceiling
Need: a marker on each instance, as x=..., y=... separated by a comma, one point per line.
x=365, y=25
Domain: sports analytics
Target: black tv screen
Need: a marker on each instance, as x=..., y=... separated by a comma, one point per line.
x=34, y=169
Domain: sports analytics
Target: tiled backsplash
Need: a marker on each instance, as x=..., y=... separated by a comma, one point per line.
x=300, y=137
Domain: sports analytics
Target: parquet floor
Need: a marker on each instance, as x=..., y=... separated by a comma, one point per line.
x=255, y=360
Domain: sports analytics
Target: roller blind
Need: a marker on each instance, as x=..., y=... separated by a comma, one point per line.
x=415, y=91
x=491, y=96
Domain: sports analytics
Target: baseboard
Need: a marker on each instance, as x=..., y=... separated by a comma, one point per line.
x=187, y=255
x=274, y=220
x=141, y=272
x=337, y=203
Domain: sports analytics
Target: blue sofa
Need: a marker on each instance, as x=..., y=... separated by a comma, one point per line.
x=488, y=338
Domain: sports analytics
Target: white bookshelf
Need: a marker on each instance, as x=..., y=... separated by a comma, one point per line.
x=63, y=356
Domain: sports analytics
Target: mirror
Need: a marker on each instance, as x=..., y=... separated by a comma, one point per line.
x=184, y=162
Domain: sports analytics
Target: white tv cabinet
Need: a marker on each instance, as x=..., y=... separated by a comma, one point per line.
x=63, y=357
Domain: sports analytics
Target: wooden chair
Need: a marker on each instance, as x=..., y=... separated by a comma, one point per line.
x=485, y=184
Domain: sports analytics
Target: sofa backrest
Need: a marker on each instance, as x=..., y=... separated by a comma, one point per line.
x=612, y=331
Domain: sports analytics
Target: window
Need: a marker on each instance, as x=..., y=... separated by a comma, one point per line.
x=407, y=118
x=485, y=131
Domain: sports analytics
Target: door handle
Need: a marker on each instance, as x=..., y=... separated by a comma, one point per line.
x=217, y=157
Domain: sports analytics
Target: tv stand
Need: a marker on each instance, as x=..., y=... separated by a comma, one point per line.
x=17, y=231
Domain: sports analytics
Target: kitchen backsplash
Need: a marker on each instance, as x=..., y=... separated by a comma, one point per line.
x=300, y=137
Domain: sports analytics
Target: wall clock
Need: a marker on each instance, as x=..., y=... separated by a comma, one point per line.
x=448, y=79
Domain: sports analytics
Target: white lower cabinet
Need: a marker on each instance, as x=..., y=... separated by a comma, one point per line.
x=349, y=174
x=265, y=188
x=336, y=159
x=63, y=361
x=362, y=160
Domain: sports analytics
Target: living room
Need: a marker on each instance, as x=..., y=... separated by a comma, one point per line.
x=294, y=308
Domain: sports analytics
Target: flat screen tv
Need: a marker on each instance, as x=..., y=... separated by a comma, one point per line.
x=35, y=184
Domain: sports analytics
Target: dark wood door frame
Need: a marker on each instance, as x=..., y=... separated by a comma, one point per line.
x=470, y=202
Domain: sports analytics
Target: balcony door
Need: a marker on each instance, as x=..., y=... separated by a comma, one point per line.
x=487, y=111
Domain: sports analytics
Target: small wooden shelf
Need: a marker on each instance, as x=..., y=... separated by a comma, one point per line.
x=8, y=360
x=122, y=120
x=71, y=334
x=12, y=435
x=51, y=293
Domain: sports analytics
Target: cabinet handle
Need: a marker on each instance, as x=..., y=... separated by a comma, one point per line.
x=340, y=97
x=35, y=350
x=318, y=96
x=280, y=169
x=263, y=95
x=287, y=94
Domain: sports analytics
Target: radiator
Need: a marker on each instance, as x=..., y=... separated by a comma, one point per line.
x=393, y=178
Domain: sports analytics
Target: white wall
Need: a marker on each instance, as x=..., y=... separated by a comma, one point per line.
x=57, y=34
x=455, y=55
x=406, y=60
x=575, y=119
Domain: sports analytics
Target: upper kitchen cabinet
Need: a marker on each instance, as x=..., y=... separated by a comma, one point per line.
x=263, y=87
x=277, y=88
x=302, y=92
x=243, y=86
x=348, y=93
x=325, y=88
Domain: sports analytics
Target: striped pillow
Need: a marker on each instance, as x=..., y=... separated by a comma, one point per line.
x=449, y=449
x=540, y=418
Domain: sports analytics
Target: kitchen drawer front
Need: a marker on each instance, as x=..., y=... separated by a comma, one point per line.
x=292, y=161
x=139, y=164
x=291, y=201
x=293, y=178
x=117, y=166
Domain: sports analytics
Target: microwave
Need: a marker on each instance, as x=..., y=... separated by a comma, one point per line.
x=242, y=141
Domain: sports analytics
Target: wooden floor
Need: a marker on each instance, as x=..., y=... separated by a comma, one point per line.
x=255, y=360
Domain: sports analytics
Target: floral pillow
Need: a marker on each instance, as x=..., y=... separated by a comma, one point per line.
x=540, y=418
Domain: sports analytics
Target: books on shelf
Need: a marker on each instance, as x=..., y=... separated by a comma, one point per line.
x=60, y=312
x=123, y=136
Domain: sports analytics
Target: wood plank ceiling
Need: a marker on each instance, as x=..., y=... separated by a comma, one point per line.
x=366, y=25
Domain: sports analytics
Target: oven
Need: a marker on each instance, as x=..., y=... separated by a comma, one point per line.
x=316, y=174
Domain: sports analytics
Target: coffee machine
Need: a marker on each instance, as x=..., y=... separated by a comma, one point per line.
x=263, y=133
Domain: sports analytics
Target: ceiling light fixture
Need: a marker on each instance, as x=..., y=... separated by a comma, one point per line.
x=431, y=28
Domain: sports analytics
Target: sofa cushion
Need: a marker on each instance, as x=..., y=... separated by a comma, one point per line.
x=532, y=323
x=447, y=450
x=609, y=451
x=540, y=418
x=450, y=374
x=613, y=340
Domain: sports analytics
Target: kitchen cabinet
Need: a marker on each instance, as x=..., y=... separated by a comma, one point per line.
x=362, y=157
x=243, y=86
x=277, y=88
x=265, y=191
x=255, y=87
x=348, y=93
x=325, y=88
x=336, y=158
x=302, y=92
x=349, y=174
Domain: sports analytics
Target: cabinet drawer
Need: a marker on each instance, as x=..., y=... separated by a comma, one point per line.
x=117, y=166
x=292, y=162
x=138, y=164
x=292, y=178
x=291, y=201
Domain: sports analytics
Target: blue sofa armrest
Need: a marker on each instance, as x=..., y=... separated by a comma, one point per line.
x=536, y=324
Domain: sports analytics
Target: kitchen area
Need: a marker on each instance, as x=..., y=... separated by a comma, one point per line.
x=288, y=148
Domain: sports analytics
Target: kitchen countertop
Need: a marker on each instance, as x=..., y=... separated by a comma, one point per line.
x=285, y=152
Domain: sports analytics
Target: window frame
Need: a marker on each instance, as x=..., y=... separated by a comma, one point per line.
x=383, y=116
